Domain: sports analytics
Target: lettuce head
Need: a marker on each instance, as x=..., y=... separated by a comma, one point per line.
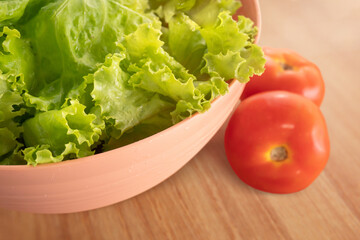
x=79, y=77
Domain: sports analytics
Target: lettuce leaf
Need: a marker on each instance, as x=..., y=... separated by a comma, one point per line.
x=121, y=105
x=14, y=55
x=203, y=12
x=71, y=38
x=9, y=128
x=16, y=60
x=61, y=134
x=231, y=53
x=11, y=11
x=185, y=42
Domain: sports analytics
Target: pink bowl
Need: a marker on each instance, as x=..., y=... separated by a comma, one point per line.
x=110, y=177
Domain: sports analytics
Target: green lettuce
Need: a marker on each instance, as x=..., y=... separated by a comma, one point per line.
x=129, y=108
x=10, y=130
x=56, y=135
x=80, y=77
x=11, y=11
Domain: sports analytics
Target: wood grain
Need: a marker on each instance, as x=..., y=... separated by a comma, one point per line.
x=205, y=200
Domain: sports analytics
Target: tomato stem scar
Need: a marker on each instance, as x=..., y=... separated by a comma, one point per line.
x=279, y=154
x=286, y=66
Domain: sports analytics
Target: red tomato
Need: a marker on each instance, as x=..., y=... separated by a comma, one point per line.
x=277, y=142
x=286, y=70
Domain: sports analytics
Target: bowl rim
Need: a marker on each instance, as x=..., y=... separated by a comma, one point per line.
x=66, y=163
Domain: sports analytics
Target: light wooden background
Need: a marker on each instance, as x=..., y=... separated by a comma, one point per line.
x=205, y=200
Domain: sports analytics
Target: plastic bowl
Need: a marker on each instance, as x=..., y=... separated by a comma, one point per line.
x=113, y=176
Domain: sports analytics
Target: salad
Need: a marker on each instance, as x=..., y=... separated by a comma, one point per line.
x=79, y=77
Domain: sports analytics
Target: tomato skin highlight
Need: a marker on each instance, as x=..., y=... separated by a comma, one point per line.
x=287, y=70
x=277, y=119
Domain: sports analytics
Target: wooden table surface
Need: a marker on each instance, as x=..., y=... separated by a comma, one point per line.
x=205, y=199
